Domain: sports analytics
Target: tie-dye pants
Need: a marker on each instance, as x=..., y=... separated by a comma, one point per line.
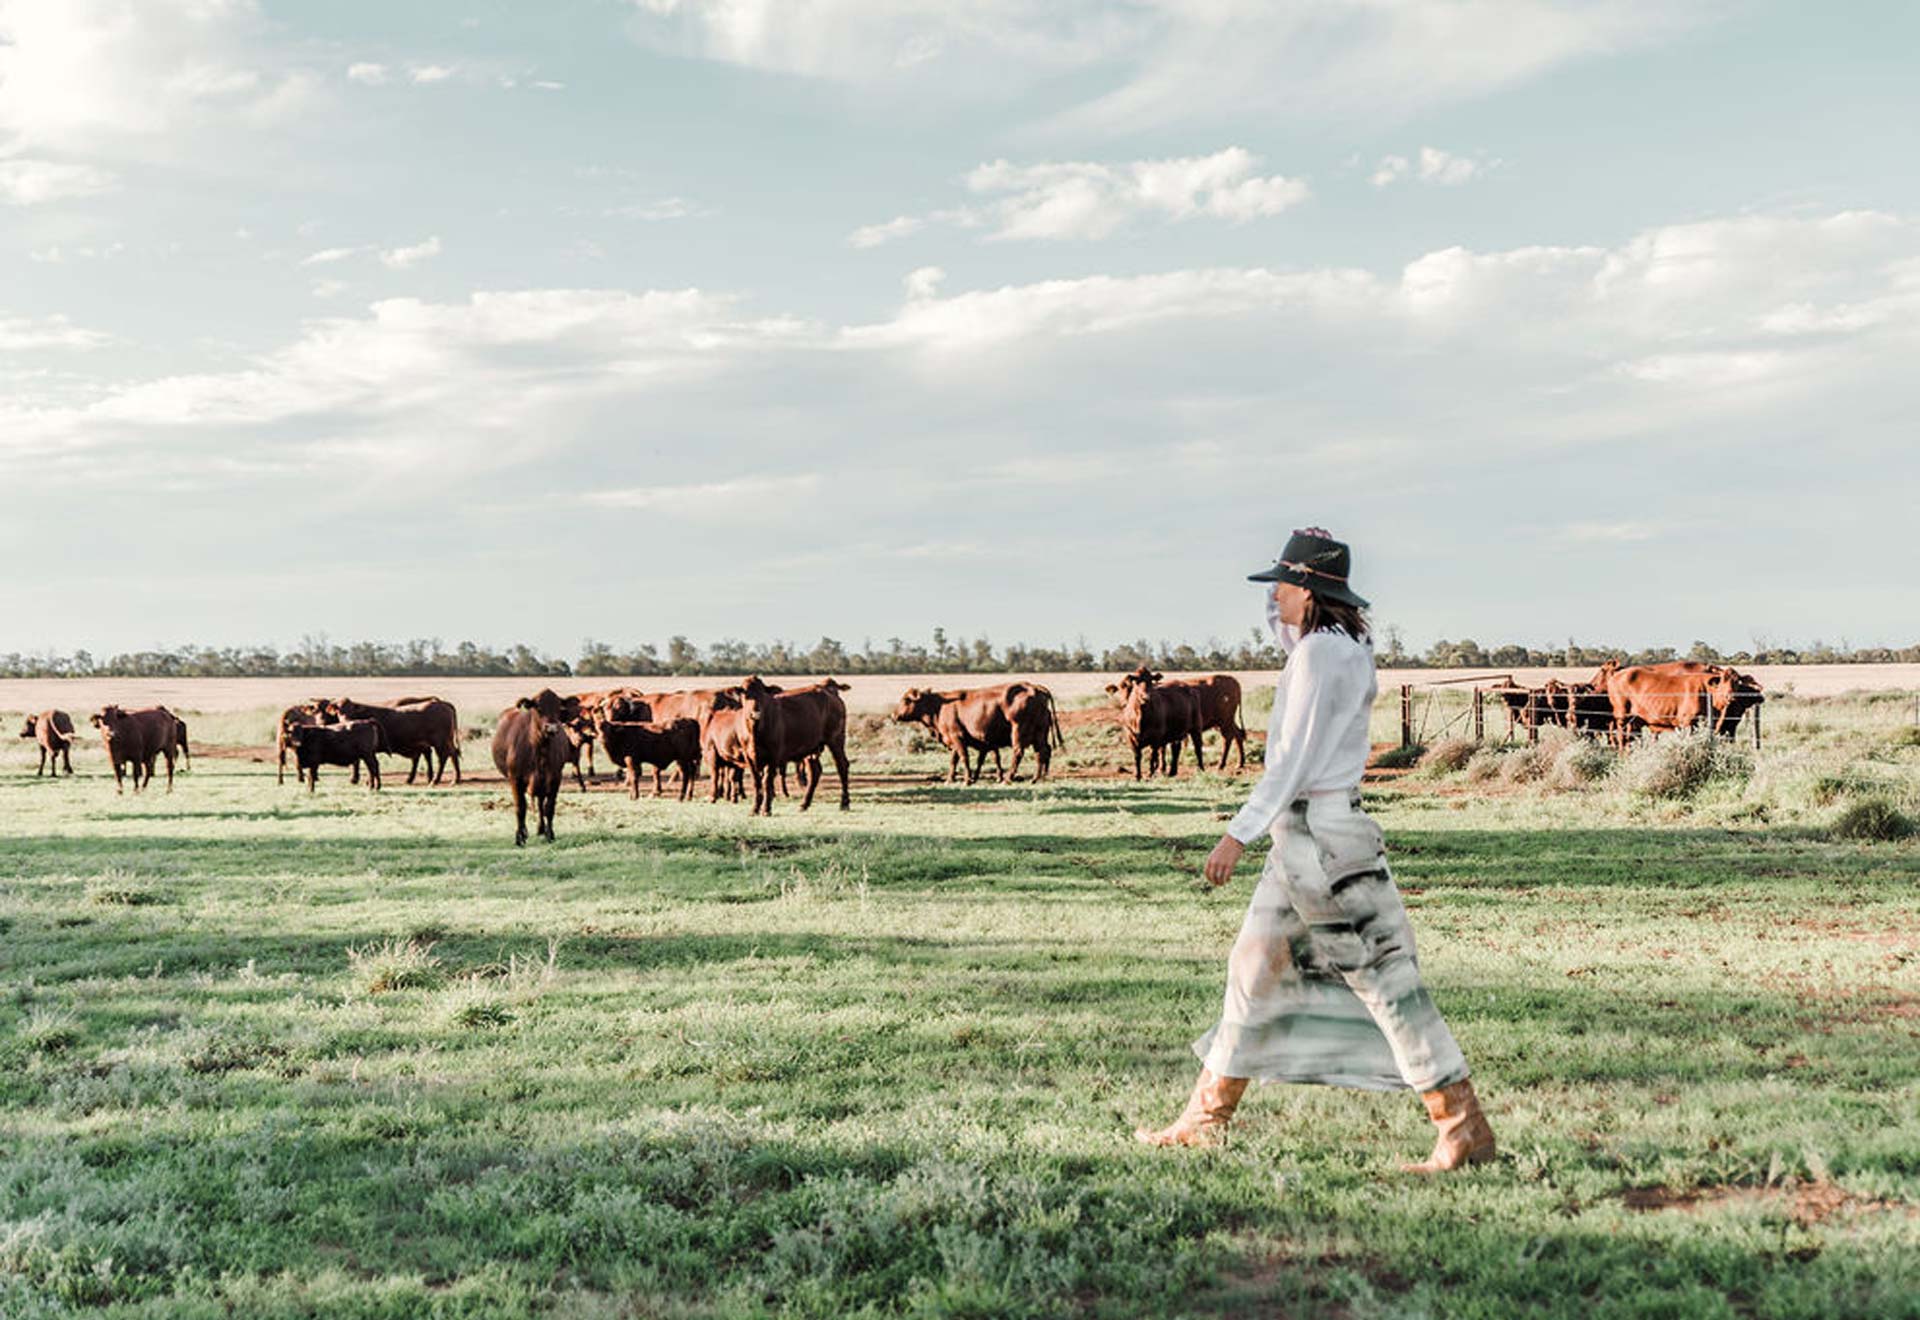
x=1322, y=984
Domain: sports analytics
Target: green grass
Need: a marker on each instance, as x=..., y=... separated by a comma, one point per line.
x=267, y=1054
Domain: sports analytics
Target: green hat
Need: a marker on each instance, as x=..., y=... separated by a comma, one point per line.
x=1314, y=560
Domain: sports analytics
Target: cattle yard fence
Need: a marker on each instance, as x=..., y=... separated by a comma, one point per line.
x=1449, y=707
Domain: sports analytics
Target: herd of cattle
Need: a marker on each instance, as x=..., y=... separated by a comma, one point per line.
x=754, y=731
x=1620, y=702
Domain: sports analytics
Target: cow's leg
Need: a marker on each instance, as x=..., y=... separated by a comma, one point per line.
x=43, y=764
x=636, y=779
x=1173, y=759
x=313, y=777
x=688, y=769
x=281, y=776
x=519, y=811
x=633, y=780
x=1199, y=757
x=373, y=772
x=838, y=749
x=549, y=802
x=1018, y=749
x=356, y=773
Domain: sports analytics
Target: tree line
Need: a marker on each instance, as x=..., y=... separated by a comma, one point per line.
x=316, y=657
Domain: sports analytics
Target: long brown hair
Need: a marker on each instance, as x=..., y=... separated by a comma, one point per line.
x=1328, y=615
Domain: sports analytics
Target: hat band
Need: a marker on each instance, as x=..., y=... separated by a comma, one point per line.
x=1302, y=568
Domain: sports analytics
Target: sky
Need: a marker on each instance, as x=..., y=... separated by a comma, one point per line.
x=1032, y=319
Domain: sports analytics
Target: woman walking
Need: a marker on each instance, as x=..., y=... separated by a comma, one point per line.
x=1322, y=983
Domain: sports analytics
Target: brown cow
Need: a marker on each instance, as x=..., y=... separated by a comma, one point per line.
x=424, y=726
x=291, y=718
x=353, y=742
x=981, y=720
x=723, y=741
x=1218, y=696
x=795, y=725
x=137, y=738
x=53, y=730
x=530, y=750
x=635, y=743
x=1675, y=695
x=1155, y=714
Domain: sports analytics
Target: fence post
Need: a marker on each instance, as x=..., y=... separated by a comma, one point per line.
x=1479, y=716
x=1756, y=728
x=1406, y=714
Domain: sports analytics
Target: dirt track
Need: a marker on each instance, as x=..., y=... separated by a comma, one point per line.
x=871, y=694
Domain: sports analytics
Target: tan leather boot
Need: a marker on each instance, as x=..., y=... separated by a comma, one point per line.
x=1465, y=1136
x=1204, y=1121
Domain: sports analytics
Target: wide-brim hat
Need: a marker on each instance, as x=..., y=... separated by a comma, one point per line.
x=1316, y=561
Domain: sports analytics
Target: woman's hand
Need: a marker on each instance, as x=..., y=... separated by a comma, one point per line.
x=1221, y=861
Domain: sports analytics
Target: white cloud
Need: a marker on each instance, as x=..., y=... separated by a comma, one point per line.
x=369, y=74
x=93, y=77
x=404, y=258
x=870, y=236
x=666, y=208
x=1430, y=165
x=326, y=256
x=718, y=500
x=329, y=288
x=18, y=334
x=30, y=182
x=547, y=85
x=1174, y=61
x=1447, y=169
x=1086, y=200
x=430, y=73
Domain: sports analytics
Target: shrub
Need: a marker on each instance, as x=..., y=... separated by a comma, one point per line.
x=1582, y=761
x=118, y=887
x=1680, y=765
x=1448, y=756
x=1906, y=737
x=1872, y=820
x=1484, y=765
x=394, y=965
x=1527, y=764
x=1398, y=758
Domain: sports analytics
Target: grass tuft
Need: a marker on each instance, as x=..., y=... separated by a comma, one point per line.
x=1679, y=766
x=1872, y=820
x=379, y=969
x=1448, y=756
x=1581, y=762
x=49, y=1030
x=118, y=887
x=1399, y=758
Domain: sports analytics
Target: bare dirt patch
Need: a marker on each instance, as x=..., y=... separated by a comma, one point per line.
x=1806, y=1203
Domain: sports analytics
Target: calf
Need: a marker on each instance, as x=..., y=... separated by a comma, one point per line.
x=633, y=744
x=136, y=739
x=530, y=749
x=723, y=741
x=354, y=743
x=53, y=730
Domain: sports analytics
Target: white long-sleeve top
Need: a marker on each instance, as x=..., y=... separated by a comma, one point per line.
x=1317, y=735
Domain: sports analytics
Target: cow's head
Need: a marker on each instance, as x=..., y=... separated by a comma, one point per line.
x=551, y=706
x=756, y=702
x=1598, y=683
x=835, y=685
x=31, y=727
x=107, y=718
x=916, y=704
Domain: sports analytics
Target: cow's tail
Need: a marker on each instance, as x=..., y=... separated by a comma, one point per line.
x=1053, y=723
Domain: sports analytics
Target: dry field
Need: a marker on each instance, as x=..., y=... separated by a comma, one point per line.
x=871, y=694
